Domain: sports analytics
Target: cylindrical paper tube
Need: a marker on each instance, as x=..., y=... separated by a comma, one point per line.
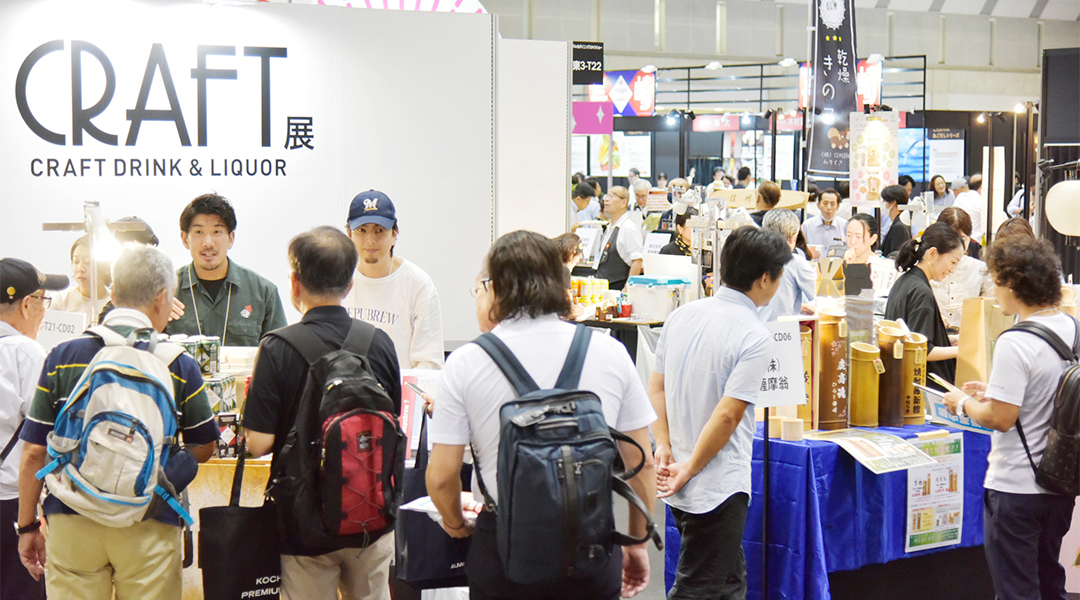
x=806, y=411
x=791, y=430
x=774, y=426
x=891, y=384
x=832, y=383
x=865, y=371
x=914, y=372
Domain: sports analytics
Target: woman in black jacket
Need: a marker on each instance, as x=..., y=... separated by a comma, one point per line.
x=933, y=256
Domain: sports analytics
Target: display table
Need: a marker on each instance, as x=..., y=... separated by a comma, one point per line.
x=212, y=487
x=828, y=513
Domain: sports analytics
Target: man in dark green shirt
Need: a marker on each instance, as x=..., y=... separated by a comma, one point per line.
x=220, y=297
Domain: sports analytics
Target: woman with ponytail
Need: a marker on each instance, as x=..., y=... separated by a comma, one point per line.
x=931, y=257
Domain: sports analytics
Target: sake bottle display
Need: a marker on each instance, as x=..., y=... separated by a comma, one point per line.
x=914, y=372
x=891, y=384
x=832, y=385
x=866, y=367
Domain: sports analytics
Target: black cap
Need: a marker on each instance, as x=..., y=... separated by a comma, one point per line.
x=143, y=236
x=19, y=279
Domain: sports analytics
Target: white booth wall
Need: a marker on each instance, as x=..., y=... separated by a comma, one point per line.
x=402, y=102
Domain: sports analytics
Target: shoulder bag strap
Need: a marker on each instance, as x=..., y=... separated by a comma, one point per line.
x=623, y=489
x=303, y=341
x=489, y=502
x=1023, y=440
x=570, y=375
x=508, y=363
x=359, y=338
x=11, y=443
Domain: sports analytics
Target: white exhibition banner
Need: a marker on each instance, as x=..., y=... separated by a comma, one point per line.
x=782, y=383
x=60, y=326
x=935, y=495
x=286, y=110
x=874, y=156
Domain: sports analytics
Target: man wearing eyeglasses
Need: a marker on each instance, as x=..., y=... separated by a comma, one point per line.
x=390, y=292
x=22, y=307
x=623, y=241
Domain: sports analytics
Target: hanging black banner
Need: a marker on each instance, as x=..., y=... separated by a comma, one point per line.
x=834, y=92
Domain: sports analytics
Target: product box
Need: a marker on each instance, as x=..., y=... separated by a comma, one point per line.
x=229, y=426
x=222, y=392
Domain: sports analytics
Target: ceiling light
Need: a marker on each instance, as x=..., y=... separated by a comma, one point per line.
x=828, y=118
x=1021, y=108
x=746, y=117
x=875, y=58
x=981, y=118
x=648, y=69
x=714, y=65
x=788, y=62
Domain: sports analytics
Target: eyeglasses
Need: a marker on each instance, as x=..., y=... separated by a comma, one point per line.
x=485, y=284
x=45, y=300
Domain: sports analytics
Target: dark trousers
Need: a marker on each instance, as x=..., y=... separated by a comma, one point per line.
x=487, y=580
x=1022, y=542
x=711, y=560
x=15, y=581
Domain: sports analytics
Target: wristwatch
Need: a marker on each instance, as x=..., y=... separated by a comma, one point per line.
x=31, y=527
x=960, y=408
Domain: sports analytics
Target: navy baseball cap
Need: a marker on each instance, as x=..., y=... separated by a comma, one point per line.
x=19, y=279
x=372, y=207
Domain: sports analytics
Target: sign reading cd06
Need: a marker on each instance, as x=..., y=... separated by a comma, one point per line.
x=82, y=116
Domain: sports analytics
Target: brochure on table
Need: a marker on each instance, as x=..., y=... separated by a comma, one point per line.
x=879, y=452
x=935, y=502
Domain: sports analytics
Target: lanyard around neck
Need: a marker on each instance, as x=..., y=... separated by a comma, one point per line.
x=228, y=303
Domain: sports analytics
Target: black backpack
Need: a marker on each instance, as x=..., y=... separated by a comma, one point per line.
x=558, y=466
x=1059, y=469
x=337, y=480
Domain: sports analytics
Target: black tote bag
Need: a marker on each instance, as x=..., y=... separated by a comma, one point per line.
x=426, y=557
x=239, y=548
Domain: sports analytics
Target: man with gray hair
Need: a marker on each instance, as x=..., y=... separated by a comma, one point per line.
x=797, y=284
x=641, y=189
x=87, y=559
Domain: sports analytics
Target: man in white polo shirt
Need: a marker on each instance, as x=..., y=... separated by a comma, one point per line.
x=390, y=292
x=709, y=363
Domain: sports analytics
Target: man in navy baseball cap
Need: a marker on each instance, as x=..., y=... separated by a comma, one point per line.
x=390, y=292
x=372, y=207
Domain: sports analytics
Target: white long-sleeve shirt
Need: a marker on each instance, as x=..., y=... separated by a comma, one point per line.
x=405, y=305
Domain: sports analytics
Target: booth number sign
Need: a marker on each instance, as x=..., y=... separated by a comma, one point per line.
x=588, y=63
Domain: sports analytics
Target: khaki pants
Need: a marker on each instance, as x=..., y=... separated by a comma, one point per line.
x=87, y=559
x=359, y=574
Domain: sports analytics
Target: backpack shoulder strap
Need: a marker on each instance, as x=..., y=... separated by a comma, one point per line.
x=1047, y=335
x=107, y=335
x=359, y=338
x=575, y=359
x=508, y=363
x=303, y=341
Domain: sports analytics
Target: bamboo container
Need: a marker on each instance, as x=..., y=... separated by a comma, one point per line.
x=866, y=368
x=914, y=372
x=891, y=384
x=832, y=386
x=806, y=411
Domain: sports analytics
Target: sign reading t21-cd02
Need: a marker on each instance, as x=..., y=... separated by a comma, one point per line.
x=588, y=63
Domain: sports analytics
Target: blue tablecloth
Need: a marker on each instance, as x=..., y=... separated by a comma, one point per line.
x=829, y=513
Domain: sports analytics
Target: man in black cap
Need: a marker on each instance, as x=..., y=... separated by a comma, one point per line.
x=22, y=307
